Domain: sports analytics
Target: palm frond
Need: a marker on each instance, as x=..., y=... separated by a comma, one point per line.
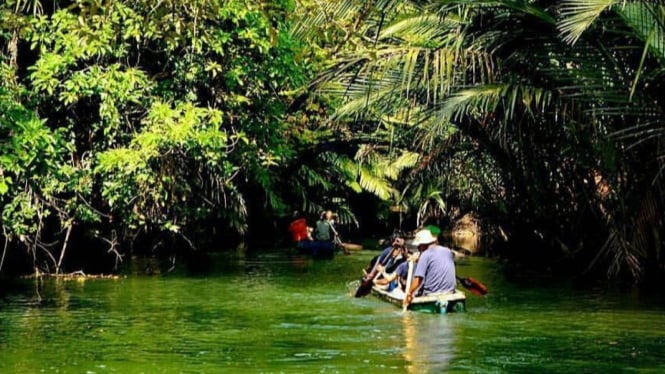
x=512, y=8
x=433, y=202
x=323, y=13
x=488, y=98
x=375, y=184
x=420, y=29
x=313, y=178
x=648, y=23
x=404, y=161
x=403, y=77
x=235, y=209
x=619, y=254
x=579, y=15
x=33, y=6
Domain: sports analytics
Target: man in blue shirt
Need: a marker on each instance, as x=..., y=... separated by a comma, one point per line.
x=436, y=267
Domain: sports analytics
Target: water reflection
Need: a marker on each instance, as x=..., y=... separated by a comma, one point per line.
x=41, y=293
x=429, y=341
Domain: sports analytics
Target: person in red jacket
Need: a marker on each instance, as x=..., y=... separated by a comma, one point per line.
x=299, y=229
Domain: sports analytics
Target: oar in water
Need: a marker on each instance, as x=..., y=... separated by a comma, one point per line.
x=366, y=285
x=473, y=285
x=337, y=240
x=407, y=289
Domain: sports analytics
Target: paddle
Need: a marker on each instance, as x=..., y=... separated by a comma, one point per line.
x=473, y=285
x=337, y=239
x=366, y=285
x=409, y=278
x=388, y=262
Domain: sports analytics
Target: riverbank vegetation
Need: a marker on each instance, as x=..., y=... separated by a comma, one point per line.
x=144, y=126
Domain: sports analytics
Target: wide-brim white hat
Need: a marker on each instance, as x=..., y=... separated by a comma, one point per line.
x=423, y=237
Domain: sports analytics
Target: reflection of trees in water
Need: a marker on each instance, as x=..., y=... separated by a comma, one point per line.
x=428, y=341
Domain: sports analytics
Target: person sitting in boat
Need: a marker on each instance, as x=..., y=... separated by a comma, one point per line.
x=388, y=259
x=324, y=232
x=435, y=272
x=436, y=231
x=397, y=278
x=396, y=241
x=299, y=229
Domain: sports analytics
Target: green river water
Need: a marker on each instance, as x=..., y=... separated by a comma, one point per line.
x=272, y=313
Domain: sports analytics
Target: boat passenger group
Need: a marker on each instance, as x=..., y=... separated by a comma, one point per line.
x=433, y=267
x=404, y=269
x=322, y=239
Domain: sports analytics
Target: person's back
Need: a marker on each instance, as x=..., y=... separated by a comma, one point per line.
x=322, y=231
x=437, y=268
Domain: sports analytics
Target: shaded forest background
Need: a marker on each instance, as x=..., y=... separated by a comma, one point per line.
x=148, y=127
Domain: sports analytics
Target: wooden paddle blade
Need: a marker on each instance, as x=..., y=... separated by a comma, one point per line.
x=478, y=286
x=474, y=286
x=364, y=288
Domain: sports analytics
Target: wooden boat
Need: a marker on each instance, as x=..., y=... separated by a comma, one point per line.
x=434, y=303
x=322, y=249
x=317, y=249
x=352, y=247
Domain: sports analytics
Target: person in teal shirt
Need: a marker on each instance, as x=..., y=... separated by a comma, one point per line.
x=324, y=231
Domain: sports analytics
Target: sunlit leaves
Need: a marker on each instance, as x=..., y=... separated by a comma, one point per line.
x=513, y=104
x=163, y=114
x=32, y=167
x=578, y=15
x=487, y=98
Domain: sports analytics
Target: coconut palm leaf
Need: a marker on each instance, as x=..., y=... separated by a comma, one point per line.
x=433, y=203
x=578, y=16
x=507, y=106
x=647, y=21
x=488, y=98
x=33, y=6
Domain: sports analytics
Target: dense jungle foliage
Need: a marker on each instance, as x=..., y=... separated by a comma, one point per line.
x=149, y=125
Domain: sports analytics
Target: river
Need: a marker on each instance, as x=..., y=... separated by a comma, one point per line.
x=275, y=313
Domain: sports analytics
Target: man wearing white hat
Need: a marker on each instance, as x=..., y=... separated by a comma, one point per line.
x=435, y=270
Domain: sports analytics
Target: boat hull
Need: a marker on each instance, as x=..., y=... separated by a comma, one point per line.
x=317, y=249
x=442, y=303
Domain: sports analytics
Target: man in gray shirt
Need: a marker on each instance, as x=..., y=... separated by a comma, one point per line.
x=436, y=267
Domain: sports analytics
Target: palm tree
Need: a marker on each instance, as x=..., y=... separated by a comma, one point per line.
x=562, y=98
